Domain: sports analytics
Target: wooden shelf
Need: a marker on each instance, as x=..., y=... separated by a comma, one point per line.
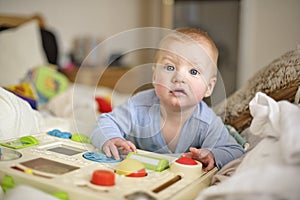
x=13, y=20
x=91, y=76
x=111, y=77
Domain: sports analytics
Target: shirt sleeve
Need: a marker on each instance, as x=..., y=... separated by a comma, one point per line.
x=112, y=125
x=222, y=145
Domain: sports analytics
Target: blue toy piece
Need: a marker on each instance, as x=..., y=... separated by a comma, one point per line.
x=60, y=134
x=99, y=157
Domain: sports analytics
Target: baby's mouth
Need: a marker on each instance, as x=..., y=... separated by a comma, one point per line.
x=178, y=92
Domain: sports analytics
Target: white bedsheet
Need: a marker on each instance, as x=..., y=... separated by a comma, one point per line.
x=16, y=117
x=272, y=169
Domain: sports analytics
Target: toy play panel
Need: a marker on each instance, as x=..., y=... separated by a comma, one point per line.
x=63, y=165
x=9, y=154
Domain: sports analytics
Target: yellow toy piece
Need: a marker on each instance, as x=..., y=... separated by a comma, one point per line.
x=129, y=166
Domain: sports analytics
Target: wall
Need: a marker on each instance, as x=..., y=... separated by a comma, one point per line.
x=221, y=20
x=95, y=18
x=268, y=29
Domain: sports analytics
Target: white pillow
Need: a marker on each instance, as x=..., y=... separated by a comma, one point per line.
x=21, y=49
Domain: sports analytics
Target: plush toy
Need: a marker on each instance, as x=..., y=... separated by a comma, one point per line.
x=47, y=82
x=26, y=92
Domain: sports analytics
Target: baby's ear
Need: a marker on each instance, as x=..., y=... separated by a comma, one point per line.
x=211, y=86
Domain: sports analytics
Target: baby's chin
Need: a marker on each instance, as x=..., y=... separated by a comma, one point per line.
x=177, y=102
x=181, y=104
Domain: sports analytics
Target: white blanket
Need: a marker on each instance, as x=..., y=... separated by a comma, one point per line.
x=279, y=120
x=16, y=117
x=272, y=169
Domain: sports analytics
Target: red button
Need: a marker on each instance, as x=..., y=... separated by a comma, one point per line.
x=186, y=161
x=103, y=178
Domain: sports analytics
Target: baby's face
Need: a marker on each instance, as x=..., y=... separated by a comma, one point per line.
x=183, y=74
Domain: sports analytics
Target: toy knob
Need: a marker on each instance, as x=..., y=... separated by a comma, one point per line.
x=189, y=167
x=103, y=178
x=186, y=161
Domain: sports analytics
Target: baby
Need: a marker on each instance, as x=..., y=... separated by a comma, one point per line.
x=172, y=118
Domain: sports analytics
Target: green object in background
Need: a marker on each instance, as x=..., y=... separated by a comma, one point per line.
x=61, y=195
x=77, y=137
x=238, y=137
x=7, y=183
x=49, y=82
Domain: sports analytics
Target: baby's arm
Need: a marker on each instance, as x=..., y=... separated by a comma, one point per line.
x=114, y=145
x=111, y=129
x=202, y=155
x=221, y=144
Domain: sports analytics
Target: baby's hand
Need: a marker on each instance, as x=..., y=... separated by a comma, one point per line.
x=112, y=147
x=202, y=155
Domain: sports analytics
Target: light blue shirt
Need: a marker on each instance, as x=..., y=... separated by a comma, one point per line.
x=138, y=120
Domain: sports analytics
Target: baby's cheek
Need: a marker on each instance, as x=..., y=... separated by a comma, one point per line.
x=161, y=84
x=159, y=89
x=198, y=94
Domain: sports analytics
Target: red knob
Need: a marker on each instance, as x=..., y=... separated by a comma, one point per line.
x=103, y=178
x=186, y=161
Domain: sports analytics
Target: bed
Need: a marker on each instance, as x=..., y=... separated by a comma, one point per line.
x=265, y=111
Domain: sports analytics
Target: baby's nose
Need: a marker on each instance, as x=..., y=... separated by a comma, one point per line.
x=178, y=77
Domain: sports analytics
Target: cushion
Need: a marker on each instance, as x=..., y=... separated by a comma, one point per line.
x=21, y=49
x=279, y=80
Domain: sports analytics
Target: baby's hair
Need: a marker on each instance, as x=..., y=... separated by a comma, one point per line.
x=203, y=38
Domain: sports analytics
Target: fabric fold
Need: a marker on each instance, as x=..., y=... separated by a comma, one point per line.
x=280, y=120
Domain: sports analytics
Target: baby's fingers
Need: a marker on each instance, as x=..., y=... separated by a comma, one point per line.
x=126, y=145
x=187, y=155
x=209, y=166
x=111, y=150
x=132, y=147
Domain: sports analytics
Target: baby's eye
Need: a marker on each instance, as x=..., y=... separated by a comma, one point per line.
x=194, y=72
x=170, y=68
